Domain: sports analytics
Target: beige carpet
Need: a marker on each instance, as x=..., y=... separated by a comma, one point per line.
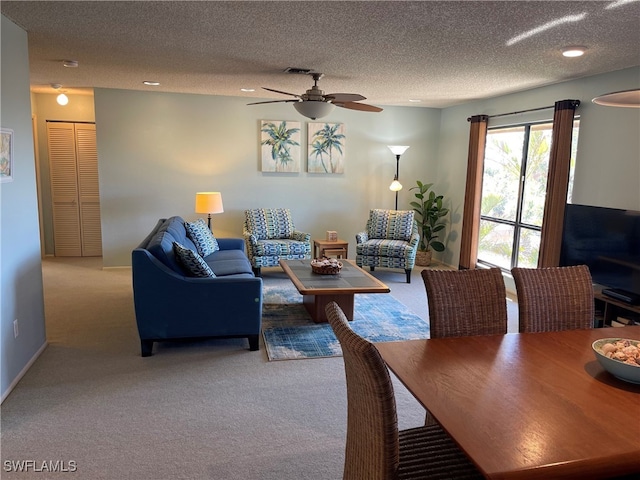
x=201, y=410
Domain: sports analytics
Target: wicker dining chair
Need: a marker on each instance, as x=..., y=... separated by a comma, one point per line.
x=554, y=298
x=466, y=302
x=375, y=448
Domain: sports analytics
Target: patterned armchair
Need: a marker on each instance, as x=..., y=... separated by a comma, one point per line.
x=390, y=240
x=269, y=235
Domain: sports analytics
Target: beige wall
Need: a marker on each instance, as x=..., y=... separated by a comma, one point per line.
x=156, y=150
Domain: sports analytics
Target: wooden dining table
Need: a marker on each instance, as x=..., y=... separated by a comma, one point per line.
x=527, y=405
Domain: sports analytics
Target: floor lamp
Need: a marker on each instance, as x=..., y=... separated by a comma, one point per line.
x=396, y=186
x=209, y=202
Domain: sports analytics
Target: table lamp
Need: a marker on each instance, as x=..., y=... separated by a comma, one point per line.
x=209, y=203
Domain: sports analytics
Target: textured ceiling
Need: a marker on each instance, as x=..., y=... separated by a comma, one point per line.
x=441, y=53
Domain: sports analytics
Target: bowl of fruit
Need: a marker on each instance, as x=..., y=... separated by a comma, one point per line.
x=620, y=357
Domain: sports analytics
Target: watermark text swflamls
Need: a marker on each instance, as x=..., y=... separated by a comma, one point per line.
x=54, y=466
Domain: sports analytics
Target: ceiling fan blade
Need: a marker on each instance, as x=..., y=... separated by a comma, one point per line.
x=344, y=97
x=358, y=106
x=280, y=91
x=273, y=101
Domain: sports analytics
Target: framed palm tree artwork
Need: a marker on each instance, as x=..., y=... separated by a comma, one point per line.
x=280, y=146
x=326, y=148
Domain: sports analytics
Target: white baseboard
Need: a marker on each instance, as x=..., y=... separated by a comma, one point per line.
x=23, y=371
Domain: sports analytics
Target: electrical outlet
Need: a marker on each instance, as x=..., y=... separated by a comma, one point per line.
x=15, y=328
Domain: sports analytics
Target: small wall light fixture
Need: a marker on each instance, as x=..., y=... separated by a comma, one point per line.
x=396, y=186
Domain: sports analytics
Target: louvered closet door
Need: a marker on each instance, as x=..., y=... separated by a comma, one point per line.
x=74, y=189
x=88, y=190
x=64, y=189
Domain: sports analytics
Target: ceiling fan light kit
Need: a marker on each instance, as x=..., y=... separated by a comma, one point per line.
x=314, y=109
x=315, y=104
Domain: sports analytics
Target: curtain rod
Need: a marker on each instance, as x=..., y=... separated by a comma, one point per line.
x=521, y=111
x=486, y=117
x=562, y=105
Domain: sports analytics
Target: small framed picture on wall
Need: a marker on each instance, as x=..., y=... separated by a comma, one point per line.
x=6, y=155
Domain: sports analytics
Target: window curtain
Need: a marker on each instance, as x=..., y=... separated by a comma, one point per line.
x=557, y=183
x=473, y=192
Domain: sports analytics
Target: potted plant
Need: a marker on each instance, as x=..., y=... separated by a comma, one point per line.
x=429, y=216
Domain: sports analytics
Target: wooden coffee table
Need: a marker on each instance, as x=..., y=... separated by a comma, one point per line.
x=318, y=290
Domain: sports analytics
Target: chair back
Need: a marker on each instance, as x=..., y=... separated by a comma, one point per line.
x=466, y=302
x=554, y=298
x=372, y=450
x=269, y=223
x=390, y=224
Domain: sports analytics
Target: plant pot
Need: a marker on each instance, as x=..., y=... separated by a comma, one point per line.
x=423, y=258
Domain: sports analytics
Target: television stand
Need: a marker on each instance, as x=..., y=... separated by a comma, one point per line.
x=608, y=308
x=622, y=295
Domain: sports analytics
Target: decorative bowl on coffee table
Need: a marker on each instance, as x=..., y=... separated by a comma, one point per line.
x=326, y=266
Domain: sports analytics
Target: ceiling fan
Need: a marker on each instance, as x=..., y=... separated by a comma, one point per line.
x=314, y=103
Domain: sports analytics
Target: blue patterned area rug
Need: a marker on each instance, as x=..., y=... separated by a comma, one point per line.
x=289, y=333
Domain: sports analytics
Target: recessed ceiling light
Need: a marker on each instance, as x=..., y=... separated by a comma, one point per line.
x=247, y=89
x=573, y=51
x=70, y=63
x=415, y=100
x=151, y=83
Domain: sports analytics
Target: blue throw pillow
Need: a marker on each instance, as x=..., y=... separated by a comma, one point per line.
x=193, y=263
x=202, y=237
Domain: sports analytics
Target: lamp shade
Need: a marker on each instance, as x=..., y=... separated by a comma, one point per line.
x=395, y=186
x=313, y=109
x=209, y=202
x=398, y=149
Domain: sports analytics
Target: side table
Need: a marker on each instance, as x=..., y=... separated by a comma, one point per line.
x=324, y=248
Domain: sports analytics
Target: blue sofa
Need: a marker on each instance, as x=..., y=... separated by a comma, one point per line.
x=171, y=305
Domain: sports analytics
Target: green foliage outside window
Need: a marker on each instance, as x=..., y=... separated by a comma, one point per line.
x=514, y=192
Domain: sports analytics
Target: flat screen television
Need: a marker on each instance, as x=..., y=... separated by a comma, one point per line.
x=607, y=240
